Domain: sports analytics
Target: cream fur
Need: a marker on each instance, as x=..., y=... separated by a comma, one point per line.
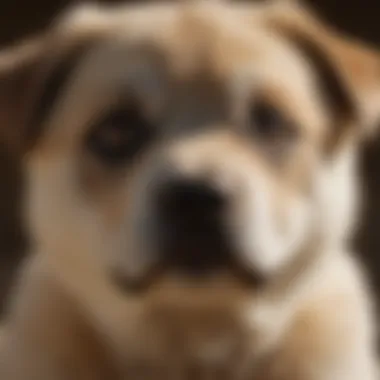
x=313, y=320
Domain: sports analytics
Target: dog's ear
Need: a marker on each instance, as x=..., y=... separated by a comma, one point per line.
x=349, y=70
x=18, y=67
x=33, y=72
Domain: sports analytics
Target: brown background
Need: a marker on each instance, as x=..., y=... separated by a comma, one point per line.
x=22, y=17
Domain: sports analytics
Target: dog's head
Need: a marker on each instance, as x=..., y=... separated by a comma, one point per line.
x=190, y=140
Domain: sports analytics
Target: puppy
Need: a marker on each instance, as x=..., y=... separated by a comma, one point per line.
x=191, y=188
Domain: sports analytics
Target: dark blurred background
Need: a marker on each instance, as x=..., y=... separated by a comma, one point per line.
x=19, y=18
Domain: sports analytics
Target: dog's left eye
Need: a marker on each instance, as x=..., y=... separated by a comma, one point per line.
x=269, y=124
x=120, y=135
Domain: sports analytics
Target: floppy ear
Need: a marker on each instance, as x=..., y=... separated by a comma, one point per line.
x=351, y=68
x=33, y=72
x=18, y=66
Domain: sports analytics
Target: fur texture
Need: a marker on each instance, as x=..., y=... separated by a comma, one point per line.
x=265, y=104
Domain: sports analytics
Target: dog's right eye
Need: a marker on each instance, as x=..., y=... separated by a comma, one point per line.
x=269, y=123
x=120, y=135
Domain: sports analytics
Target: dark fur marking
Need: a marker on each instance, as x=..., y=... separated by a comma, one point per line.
x=52, y=87
x=335, y=94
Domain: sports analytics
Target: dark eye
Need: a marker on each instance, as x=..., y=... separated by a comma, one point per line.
x=268, y=123
x=120, y=135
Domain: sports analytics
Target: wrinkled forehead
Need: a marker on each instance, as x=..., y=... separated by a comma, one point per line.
x=156, y=53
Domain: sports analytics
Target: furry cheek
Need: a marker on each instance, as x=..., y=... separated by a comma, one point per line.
x=268, y=237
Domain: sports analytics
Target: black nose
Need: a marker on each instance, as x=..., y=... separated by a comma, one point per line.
x=191, y=204
x=190, y=214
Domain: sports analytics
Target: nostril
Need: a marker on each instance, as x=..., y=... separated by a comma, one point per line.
x=190, y=220
x=190, y=201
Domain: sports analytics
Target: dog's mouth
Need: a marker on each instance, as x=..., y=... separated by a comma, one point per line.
x=195, y=266
x=193, y=243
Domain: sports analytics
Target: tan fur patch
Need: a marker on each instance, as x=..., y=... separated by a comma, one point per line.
x=200, y=93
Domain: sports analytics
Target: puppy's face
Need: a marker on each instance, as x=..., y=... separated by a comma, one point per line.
x=188, y=142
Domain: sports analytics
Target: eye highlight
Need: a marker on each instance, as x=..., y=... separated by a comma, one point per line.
x=120, y=135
